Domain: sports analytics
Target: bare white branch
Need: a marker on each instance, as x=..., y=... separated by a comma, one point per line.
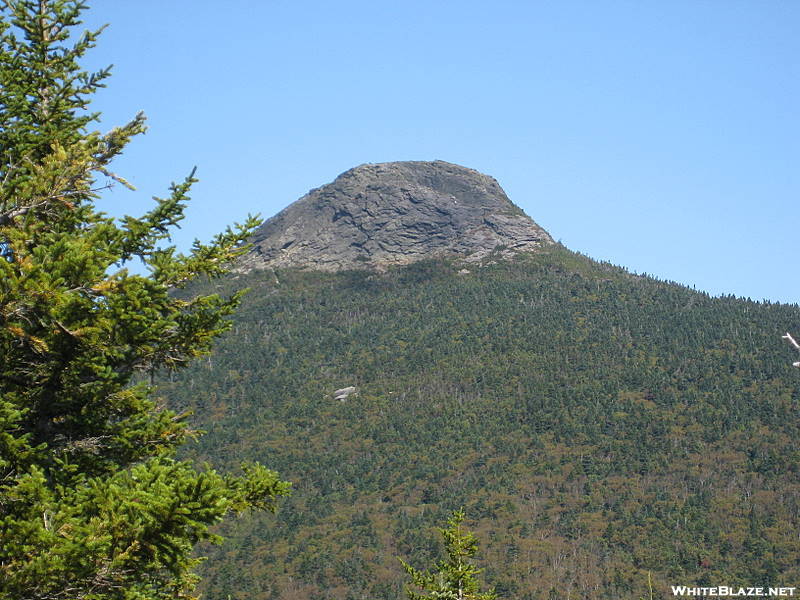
x=791, y=340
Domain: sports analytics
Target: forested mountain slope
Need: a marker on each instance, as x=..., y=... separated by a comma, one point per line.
x=595, y=426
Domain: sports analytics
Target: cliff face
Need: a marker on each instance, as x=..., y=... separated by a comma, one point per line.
x=377, y=215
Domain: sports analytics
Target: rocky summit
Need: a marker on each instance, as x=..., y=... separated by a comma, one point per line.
x=377, y=215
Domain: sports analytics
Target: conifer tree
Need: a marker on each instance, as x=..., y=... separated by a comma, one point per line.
x=94, y=503
x=455, y=578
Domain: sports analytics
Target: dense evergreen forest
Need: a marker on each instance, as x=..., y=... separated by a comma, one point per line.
x=596, y=426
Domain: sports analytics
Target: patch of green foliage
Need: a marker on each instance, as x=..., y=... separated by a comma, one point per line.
x=597, y=425
x=94, y=503
x=455, y=577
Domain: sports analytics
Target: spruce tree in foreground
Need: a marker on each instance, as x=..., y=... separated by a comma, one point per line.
x=455, y=578
x=93, y=502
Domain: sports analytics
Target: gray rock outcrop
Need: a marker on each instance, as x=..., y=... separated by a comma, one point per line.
x=377, y=215
x=343, y=393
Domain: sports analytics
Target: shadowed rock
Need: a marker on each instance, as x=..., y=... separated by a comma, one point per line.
x=377, y=215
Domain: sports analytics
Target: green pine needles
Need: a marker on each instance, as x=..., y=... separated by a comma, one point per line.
x=93, y=502
x=455, y=577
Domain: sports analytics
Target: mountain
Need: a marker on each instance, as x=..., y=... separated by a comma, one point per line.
x=385, y=214
x=600, y=428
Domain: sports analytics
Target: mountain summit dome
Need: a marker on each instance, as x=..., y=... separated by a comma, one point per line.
x=377, y=215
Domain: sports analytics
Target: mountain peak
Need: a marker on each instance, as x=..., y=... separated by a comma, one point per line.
x=376, y=215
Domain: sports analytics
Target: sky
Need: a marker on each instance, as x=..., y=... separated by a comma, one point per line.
x=660, y=136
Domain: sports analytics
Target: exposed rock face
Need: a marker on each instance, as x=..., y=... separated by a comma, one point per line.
x=343, y=393
x=377, y=215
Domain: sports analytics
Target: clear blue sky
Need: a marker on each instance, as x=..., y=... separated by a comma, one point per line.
x=662, y=136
